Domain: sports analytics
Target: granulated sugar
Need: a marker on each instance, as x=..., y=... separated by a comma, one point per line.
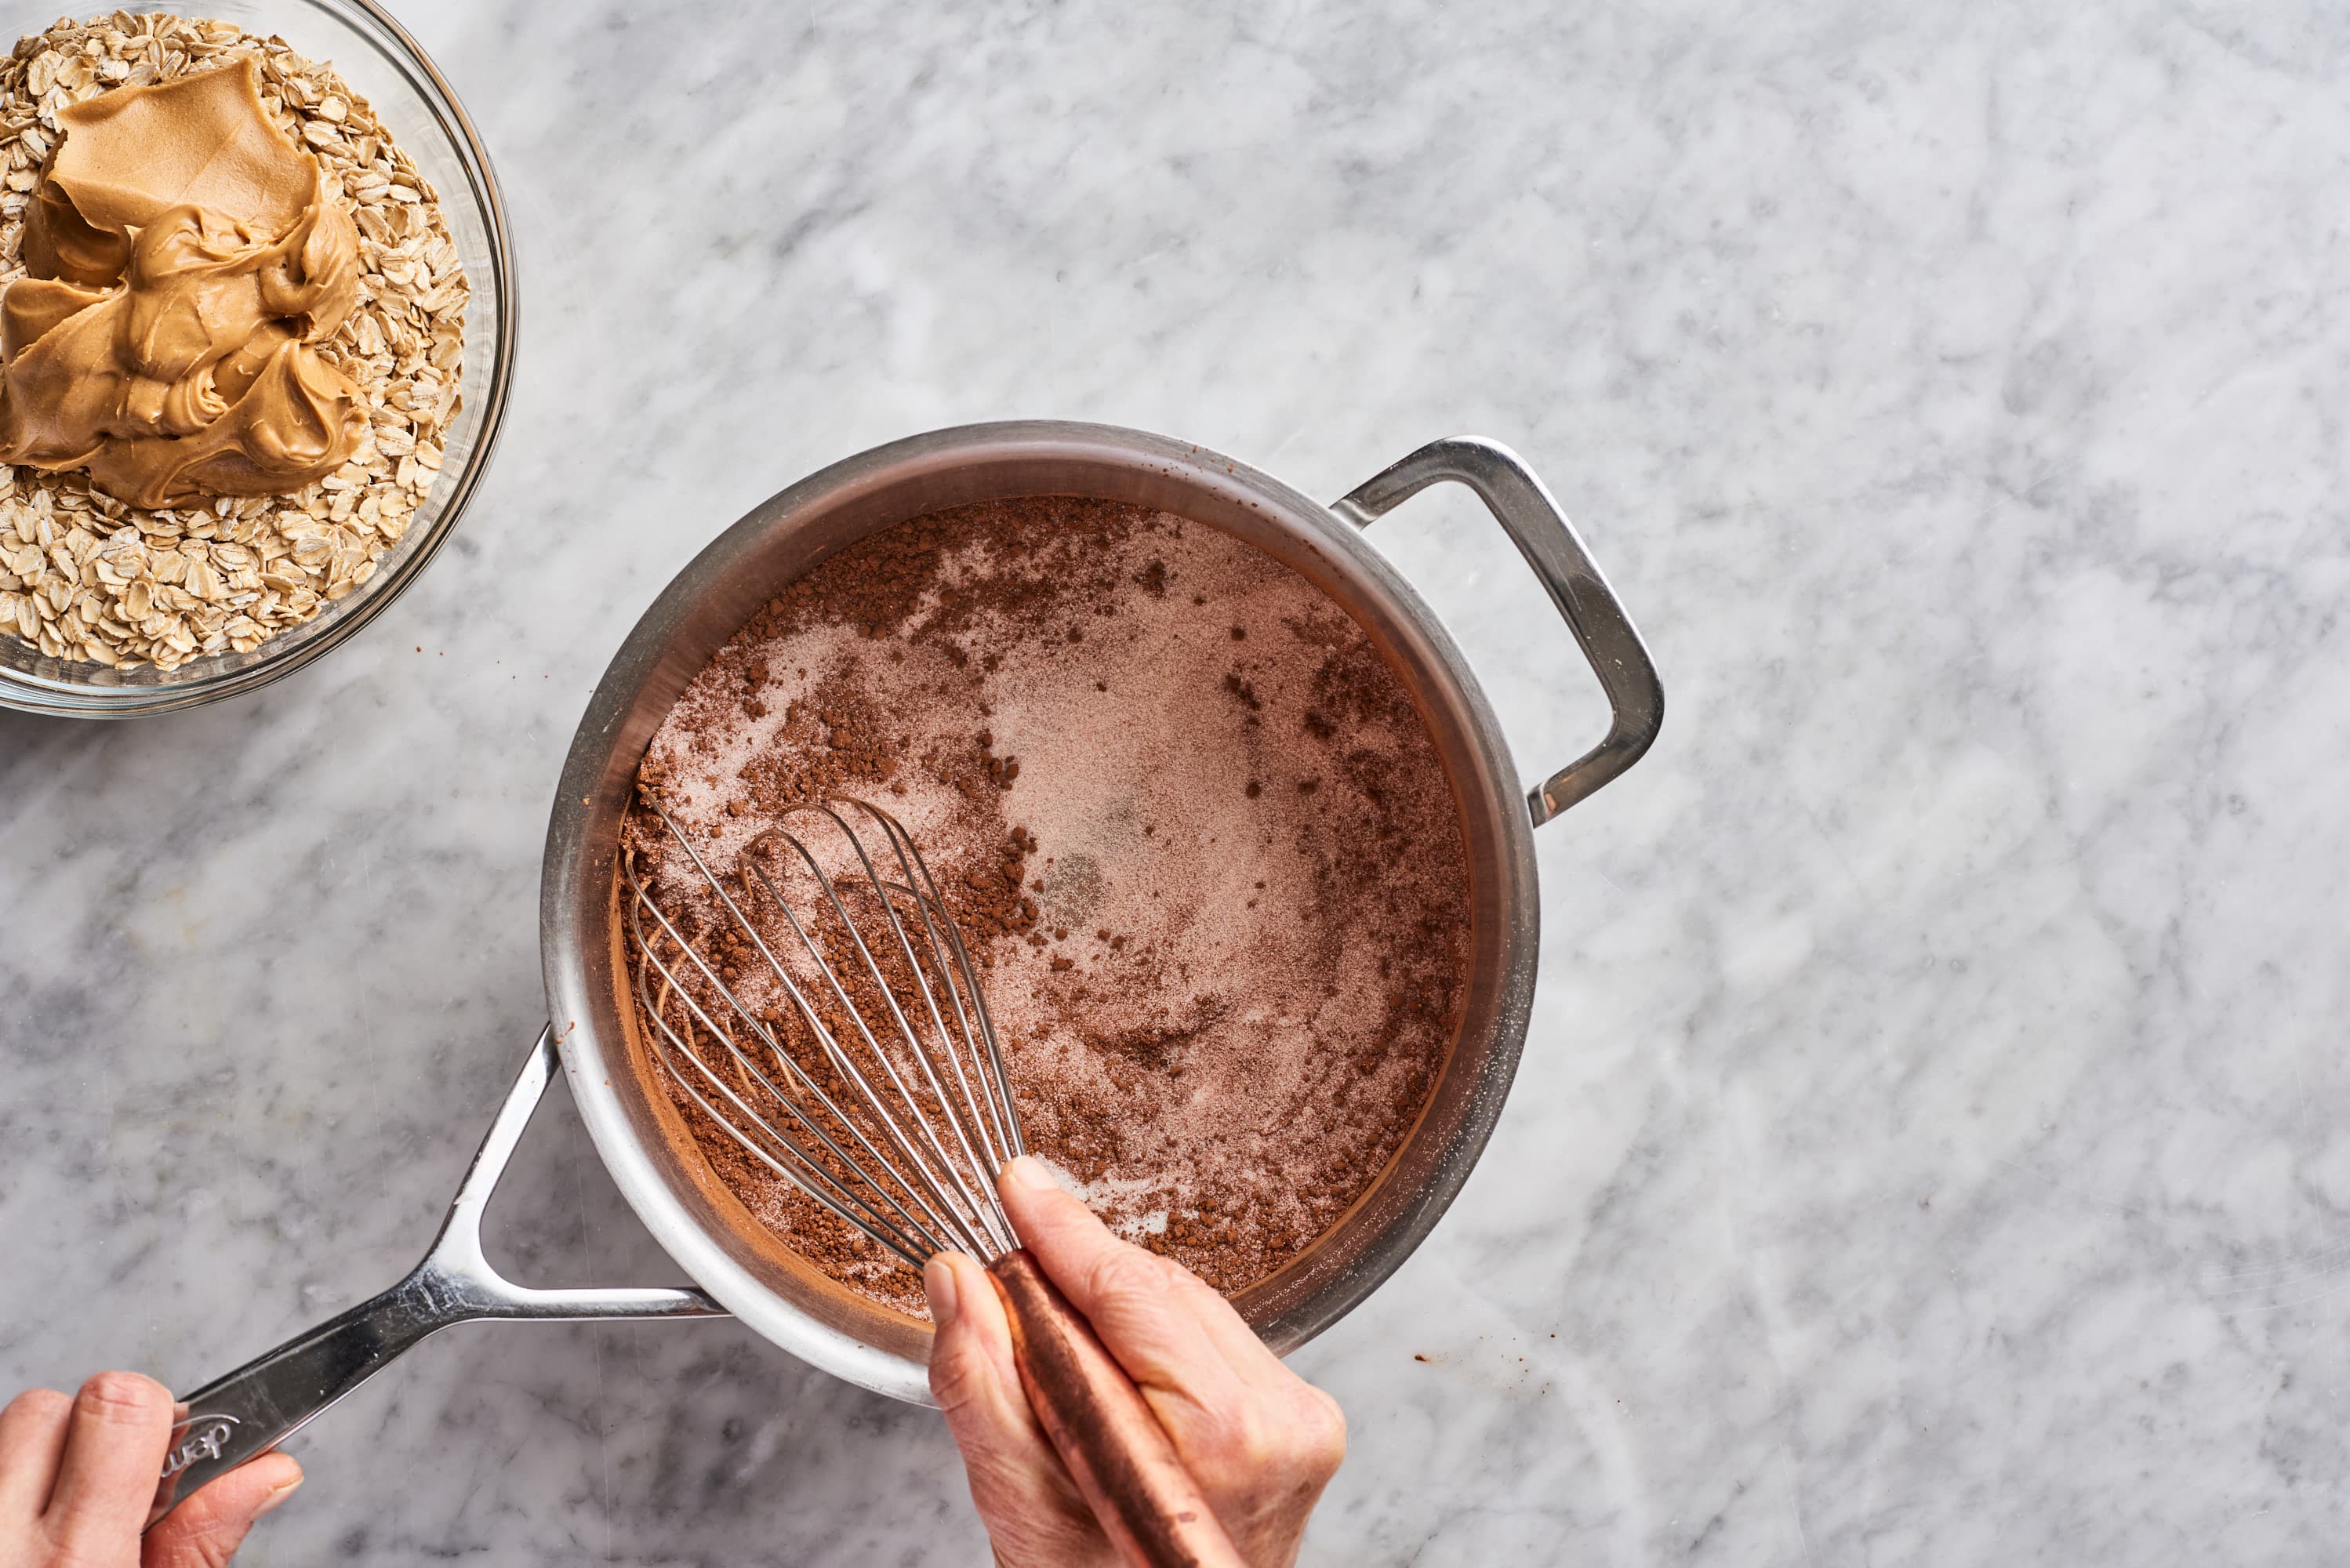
x=1192, y=827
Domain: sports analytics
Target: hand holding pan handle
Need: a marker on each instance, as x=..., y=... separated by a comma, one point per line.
x=1566, y=572
x=249, y=1412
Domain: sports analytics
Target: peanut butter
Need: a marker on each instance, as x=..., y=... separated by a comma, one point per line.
x=184, y=257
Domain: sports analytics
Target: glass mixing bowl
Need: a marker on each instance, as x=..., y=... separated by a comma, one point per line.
x=379, y=59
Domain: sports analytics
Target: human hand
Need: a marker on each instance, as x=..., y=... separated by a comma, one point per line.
x=77, y=1477
x=1261, y=1441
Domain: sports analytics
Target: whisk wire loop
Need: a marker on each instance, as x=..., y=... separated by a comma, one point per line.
x=946, y=939
x=921, y=1183
x=934, y=1167
x=982, y=1202
x=859, y=1178
x=931, y=1141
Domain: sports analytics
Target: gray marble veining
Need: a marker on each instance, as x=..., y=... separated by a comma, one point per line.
x=1933, y=1144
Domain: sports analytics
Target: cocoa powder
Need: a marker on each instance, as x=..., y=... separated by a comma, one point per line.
x=1189, y=823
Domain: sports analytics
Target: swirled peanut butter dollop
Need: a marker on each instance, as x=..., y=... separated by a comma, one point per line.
x=184, y=257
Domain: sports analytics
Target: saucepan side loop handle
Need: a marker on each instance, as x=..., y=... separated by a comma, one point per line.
x=253, y=1410
x=1576, y=585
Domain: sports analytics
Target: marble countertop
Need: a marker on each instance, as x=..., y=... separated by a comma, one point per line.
x=1933, y=1143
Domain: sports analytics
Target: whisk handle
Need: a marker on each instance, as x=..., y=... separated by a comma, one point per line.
x=1116, y=1450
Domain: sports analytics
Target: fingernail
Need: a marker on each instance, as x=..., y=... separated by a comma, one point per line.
x=938, y=1284
x=275, y=1498
x=1028, y=1171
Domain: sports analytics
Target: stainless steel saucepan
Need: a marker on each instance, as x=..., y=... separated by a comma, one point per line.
x=637, y=1132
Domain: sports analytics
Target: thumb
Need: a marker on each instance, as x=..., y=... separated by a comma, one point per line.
x=972, y=1375
x=1019, y=1485
x=205, y=1531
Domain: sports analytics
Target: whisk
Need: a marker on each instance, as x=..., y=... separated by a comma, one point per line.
x=868, y=1075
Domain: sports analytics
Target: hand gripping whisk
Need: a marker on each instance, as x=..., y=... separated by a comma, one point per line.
x=868, y=1074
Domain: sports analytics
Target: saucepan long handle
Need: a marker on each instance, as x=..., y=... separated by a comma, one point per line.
x=1566, y=572
x=253, y=1410
x=1115, y=1447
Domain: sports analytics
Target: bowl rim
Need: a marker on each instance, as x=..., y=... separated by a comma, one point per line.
x=576, y=885
x=73, y=699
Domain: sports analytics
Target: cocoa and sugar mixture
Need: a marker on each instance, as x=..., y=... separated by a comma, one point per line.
x=1197, y=836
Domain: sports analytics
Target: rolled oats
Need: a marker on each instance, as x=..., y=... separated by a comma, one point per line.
x=85, y=577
